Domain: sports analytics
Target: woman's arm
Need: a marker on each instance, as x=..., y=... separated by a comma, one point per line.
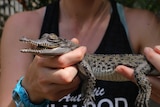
x=144, y=34
x=13, y=63
x=44, y=78
x=153, y=55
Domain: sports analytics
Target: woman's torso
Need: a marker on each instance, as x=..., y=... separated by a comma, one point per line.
x=114, y=41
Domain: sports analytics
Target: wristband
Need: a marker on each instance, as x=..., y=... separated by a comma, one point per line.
x=21, y=98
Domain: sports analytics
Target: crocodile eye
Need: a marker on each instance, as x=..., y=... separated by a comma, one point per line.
x=52, y=37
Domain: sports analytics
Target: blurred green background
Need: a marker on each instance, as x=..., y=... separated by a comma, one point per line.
x=9, y=7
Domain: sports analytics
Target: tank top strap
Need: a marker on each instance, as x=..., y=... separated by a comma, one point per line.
x=115, y=40
x=51, y=19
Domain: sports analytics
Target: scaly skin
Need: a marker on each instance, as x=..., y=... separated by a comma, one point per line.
x=98, y=66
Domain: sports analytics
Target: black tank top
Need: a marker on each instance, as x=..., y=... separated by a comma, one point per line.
x=115, y=41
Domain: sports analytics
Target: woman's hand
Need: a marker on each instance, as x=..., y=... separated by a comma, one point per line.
x=53, y=77
x=153, y=55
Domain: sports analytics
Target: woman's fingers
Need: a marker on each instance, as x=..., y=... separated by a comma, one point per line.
x=65, y=60
x=53, y=77
x=153, y=56
x=126, y=72
x=157, y=49
x=58, y=76
x=56, y=91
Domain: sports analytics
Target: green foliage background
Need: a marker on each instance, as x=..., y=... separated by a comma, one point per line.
x=151, y=5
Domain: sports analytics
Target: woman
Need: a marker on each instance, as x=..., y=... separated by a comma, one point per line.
x=102, y=26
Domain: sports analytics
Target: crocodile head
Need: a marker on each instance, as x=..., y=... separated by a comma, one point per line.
x=49, y=45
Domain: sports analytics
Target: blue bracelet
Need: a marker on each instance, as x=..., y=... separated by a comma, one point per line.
x=20, y=96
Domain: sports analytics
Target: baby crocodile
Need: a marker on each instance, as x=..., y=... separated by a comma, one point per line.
x=98, y=66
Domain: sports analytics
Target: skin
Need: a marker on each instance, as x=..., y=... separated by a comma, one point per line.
x=46, y=78
x=153, y=56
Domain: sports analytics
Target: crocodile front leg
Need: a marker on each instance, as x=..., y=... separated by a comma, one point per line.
x=89, y=82
x=144, y=86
